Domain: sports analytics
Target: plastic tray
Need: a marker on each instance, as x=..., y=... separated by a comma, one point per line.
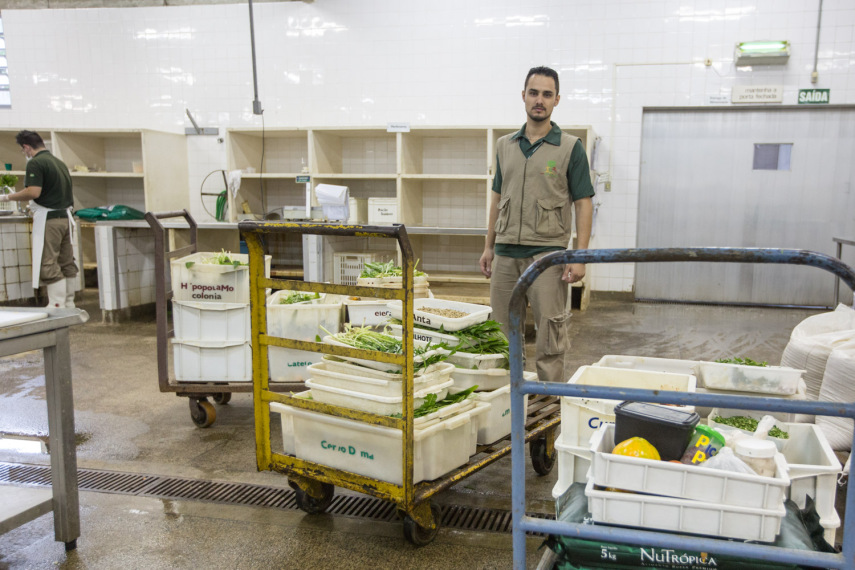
x=211, y=321
x=419, y=282
x=375, y=451
x=345, y=367
x=367, y=312
x=320, y=374
x=212, y=361
x=684, y=516
x=496, y=422
x=207, y=282
x=425, y=335
x=381, y=405
x=684, y=481
x=648, y=363
x=764, y=379
x=574, y=461
x=385, y=366
x=779, y=442
x=801, y=394
x=580, y=417
x=484, y=379
x=476, y=313
x=472, y=361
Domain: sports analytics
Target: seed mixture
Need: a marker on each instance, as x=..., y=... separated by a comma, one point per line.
x=450, y=313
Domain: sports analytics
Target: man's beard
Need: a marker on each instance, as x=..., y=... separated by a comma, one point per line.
x=538, y=119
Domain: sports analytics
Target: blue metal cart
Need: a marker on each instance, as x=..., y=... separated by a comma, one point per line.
x=519, y=387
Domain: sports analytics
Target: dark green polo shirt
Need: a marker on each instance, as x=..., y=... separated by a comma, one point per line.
x=578, y=179
x=51, y=174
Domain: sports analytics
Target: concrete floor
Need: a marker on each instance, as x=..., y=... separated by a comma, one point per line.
x=125, y=424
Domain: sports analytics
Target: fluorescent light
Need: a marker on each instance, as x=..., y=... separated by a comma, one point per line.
x=767, y=52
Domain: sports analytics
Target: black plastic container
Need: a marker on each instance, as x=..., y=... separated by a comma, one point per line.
x=668, y=429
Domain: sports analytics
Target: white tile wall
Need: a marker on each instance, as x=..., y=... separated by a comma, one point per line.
x=134, y=256
x=336, y=63
x=15, y=262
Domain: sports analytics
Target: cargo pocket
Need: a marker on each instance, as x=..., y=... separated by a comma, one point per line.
x=504, y=214
x=552, y=337
x=549, y=221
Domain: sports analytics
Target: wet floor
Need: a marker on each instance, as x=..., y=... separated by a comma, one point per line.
x=125, y=424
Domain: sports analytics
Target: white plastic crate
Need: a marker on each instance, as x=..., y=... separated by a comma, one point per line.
x=299, y=321
x=472, y=361
x=336, y=364
x=763, y=379
x=648, y=363
x=375, y=451
x=580, y=417
x=683, y=515
x=429, y=336
x=207, y=282
x=801, y=394
x=347, y=265
x=211, y=321
x=485, y=379
x=381, y=405
x=574, y=461
x=368, y=313
x=496, y=422
x=475, y=313
x=320, y=374
x=382, y=211
x=212, y=361
x=385, y=366
x=684, y=481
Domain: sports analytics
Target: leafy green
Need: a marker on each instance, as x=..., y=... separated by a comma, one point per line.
x=9, y=180
x=368, y=339
x=742, y=361
x=386, y=269
x=483, y=338
x=297, y=297
x=430, y=404
x=222, y=258
x=749, y=424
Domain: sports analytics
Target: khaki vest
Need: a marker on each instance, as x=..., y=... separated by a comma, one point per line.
x=535, y=207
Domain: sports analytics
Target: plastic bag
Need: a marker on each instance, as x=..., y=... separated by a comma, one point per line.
x=725, y=460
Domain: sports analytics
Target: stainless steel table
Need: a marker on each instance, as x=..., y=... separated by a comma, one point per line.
x=51, y=335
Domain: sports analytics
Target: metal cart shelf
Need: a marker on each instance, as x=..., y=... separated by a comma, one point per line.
x=315, y=483
x=202, y=412
x=520, y=387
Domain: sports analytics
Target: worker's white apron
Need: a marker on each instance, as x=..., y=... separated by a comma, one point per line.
x=40, y=214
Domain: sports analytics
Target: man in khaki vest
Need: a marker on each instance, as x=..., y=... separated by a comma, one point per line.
x=540, y=173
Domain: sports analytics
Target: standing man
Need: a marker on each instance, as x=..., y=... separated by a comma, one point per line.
x=48, y=184
x=540, y=172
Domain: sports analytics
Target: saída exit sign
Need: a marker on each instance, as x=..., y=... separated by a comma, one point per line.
x=814, y=96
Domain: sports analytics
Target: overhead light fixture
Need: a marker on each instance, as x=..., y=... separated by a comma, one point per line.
x=762, y=53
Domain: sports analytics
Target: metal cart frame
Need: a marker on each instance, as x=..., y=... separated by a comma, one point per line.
x=202, y=412
x=519, y=387
x=313, y=482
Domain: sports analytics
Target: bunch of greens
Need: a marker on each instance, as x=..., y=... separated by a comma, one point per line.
x=749, y=424
x=483, y=338
x=221, y=258
x=387, y=269
x=742, y=361
x=298, y=297
x=369, y=339
x=430, y=404
x=9, y=180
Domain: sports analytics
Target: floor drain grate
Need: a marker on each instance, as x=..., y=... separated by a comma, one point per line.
x=452, y=516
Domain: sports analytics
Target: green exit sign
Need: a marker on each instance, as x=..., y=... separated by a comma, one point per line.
x=814, y=96
x=303, y=178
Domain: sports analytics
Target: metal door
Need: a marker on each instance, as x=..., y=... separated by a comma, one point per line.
x=700, y=186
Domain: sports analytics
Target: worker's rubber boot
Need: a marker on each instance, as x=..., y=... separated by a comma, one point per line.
x=70, y=289
x=56, y=294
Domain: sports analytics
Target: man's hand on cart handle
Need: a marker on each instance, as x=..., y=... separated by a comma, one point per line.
x=573, y=272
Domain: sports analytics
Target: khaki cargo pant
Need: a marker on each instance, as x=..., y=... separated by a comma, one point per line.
x=547, y=297
x=58, y=254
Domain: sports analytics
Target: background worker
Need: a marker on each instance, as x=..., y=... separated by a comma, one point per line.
x=47, y=184
x=540, y=172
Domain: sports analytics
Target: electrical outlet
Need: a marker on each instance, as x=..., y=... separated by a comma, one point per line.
x=608, y=186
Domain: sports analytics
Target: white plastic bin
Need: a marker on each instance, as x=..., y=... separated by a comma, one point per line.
x=472, y=361
x=683, y=515
x=368, y=313
x=648, y=363
x=336, y=364
x=764, y=379
x=486, y=380
x=321, y=374
x=212, y=361
x=475, y=314
x=574, y=461
x=580, y=417
x=382, y=211
x=801, y=394
x=299, y=321
x=496, y=423
x=375, y=451
x=384, y=366
x=381, y=405
x=725, y=413
x=228, y=322
x=683, y=481
x=207, y=282
x=429, y=336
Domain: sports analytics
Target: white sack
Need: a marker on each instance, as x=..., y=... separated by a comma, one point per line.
x=838, y=385
x=334, y=201
x=812, y=341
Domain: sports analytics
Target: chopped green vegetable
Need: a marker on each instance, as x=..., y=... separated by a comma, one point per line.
x=387, y=269
x=742, y=361
x=430, y=404
x=749, y=424
x=297, y=297
x=9, y=180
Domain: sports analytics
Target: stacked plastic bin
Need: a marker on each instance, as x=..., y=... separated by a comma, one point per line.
x=211, y=318
x=375, y=312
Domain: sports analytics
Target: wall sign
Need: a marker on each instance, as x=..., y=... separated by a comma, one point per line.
x=814, y=96
x=718, y=99
x=398, y=127
x=757, y=94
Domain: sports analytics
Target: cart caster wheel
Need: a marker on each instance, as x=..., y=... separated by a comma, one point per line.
x=202, y=412
x=419, y=535
x=311, y=505
x=541, y=459
x=223, y=398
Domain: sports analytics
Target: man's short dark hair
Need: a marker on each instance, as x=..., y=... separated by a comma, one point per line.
x=542, y=70
x=31, y=138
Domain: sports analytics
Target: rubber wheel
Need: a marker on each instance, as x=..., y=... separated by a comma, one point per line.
x=202, y=412
x=314, y=506
x=223, y=398
x=541, y=459
x=419, y=535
